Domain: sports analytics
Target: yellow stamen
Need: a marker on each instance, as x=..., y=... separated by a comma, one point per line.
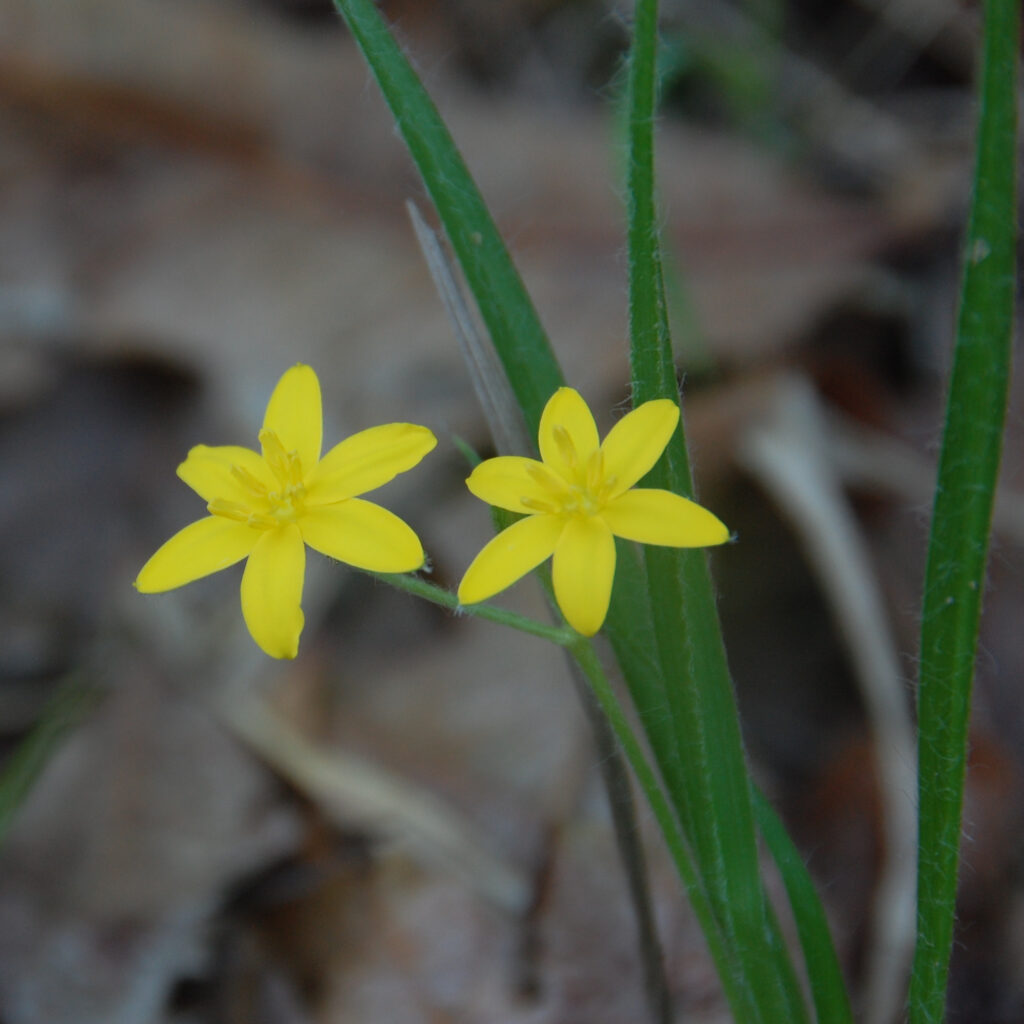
x=295, y=474
x=250, y=482
x=285, y=465
x=240, y=513
x=566, y=448
x=551, y=483
x=538, y=505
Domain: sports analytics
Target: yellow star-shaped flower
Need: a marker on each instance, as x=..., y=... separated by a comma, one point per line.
x=577, y=500
x=267, y=506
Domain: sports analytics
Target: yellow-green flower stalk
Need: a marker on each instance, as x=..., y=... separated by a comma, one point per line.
x=266, y=506
x=577, y=500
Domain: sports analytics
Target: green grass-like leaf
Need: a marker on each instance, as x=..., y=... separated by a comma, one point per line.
x=714, y=798
x=828, y=990
x=961, y=520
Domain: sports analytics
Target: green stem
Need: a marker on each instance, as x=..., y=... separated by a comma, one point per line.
x=563, y=636
x=964, y=494
x=615, y=776
x=584, y=655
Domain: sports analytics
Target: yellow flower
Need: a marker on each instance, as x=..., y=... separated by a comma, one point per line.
x=576, y=500
x=266, y=507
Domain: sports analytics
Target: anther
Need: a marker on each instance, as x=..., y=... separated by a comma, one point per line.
x=275, y=456
x=537, y=505
x=294, y=472
x=608, y=484
x=542, y=475
x=228, y=509
x=250, y=482
x=566, y=448
x=239, y=513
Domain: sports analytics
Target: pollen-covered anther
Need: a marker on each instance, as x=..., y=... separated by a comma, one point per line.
x=554, y=485
x=294, y=472
x=228, y=509
x=538, y=505
x=283, y=464
x=240, y=513
x=250, y=482
x=566, y=448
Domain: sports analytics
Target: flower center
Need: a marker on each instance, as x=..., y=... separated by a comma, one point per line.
x=264, y=508
x=581, y=502
x=584, y=491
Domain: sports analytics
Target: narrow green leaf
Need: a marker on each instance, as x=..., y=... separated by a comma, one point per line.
x=504, y=304
x=831, y=1002
x=714, y=802
x=961, y=520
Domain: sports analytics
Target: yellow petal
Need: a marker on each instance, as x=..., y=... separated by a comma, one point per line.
x=567, y=435
x=201, y=548
x=582, y=572
x=509, y=556
x=636, y=442
x=295, y=415
x=272, y=591
x=362, y=534
x=209, y=472
x=506, y=480
x=660, y=517
x=367, y=460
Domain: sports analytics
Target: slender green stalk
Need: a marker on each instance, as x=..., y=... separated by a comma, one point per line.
x=714, y=801
x=583, y=653
x=615, y=775
x=586, y=660
x=958, y=548
x=561, y=635
x=504, y=304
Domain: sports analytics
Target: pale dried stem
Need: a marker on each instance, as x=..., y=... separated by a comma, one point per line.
x=504, y=418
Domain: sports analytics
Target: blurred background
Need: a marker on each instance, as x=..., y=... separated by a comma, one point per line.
x=405, y=824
